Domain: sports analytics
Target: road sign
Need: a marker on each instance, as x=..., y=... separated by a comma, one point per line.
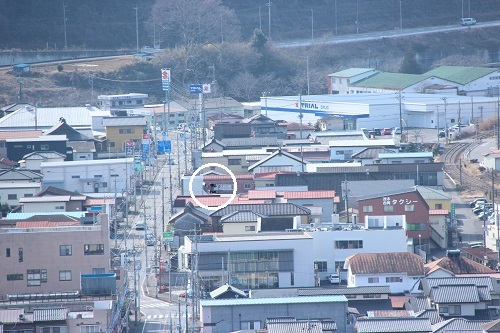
x=163, y=133
x=168, y=235
x=453, y=213
x=195, y=88
x=129, y=143
x=207, y=89
x=164, y=146
x=145, y=151
x=165, y=86
x=181, y=135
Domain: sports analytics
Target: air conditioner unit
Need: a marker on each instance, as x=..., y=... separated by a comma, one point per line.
x=22, y=316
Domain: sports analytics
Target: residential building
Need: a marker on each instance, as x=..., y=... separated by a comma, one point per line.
x=157, y=114
x=459, y=325
x=256, y=126
x=491, y=160
x=370, y=155
x=338, y=82
x=268, y=179
x=13, y=134
x=18, y=148
x=265, y=260
x=121, y=129
x=12, y=193
x=343, y=150
x=20, y=176
x=68, y=252
x=397, y=206
x=53, y=199
x=393, y=325
x=242, y=143
x=238, y=161
x=89, y=176
x=224, y=183
x=399, y=158
x=230, y=315
x=122, y=101
x=33, y=160
x=401, y=271
x=280, y=160
x=455, y=264
x=298, y=131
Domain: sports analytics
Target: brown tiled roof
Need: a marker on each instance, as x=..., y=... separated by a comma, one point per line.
x=458, y=265
x=264, y=194
x=225, y=177
x=44, y=224
x=492, y=326
x=390, y=262
x=98, y=201
x=308, y=194
x=398, y=302
x=271, y=175
x=4, y=135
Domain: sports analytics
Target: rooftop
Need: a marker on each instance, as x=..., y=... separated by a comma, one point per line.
x=350, y=72
x=275, y=301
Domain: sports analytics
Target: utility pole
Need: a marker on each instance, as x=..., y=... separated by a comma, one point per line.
x=268, y=4
x=357, y=16
x=401, y=113
x=312, y=24
x=163, y=205
x=335, y=15
x=498, y=119
x=346, y=197
x=65, y=19
x=178, y=162
x=170, y=182
x=445, y=120
x=307, y=74
x=400, y=17
x=300, y=115
x=260, y=20
x=137, y=28
x=185, y=154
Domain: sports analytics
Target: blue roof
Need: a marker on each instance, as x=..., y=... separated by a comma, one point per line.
x=22, y=65
x=275, y=300
x=22, y=216
x=427, y=154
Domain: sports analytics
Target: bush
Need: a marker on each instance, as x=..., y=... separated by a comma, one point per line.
x=60, y=68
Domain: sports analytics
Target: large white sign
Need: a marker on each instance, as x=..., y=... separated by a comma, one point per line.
x=165, y=74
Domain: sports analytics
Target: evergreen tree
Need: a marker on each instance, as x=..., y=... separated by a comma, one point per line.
x=409, y=64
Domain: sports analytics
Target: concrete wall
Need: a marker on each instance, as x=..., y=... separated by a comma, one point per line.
x=408, y=283
x=8, y=58
x=20, y=192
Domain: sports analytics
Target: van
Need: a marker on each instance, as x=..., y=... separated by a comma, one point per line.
x=475, y=244
x=334, y=278
x=468, y=21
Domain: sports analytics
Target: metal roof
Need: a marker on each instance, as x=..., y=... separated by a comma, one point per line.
x=128, y=160
x=275, y=301
x=460, y=74
x=265, y=194
x=371, y=152
x=385, y=325
x=350, y=72
x=42, y=138
x=261, y=237
x=23, y=216
x=426, y=154
x=389, y=80
x=432, y=194
x=344, y=291
x=47, y=117
x=10, y=316
x=274, y=209
x=45, y=224
x=309, y=195
x=123, y=121
x=49, y=314
x=250, y=142
x=455, y=294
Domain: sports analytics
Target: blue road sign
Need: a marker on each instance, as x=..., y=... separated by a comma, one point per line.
x=195, y=88
x=181, y=135
x=164, y=146
x=145, y=151
x=165, y=85
x=163, y=133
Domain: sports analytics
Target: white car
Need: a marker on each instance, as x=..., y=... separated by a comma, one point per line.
x=334, y=278
x=140, y=226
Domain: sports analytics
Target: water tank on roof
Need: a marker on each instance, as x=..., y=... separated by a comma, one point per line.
x=453, y=253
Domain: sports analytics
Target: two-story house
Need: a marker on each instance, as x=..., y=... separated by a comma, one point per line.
x=403, y=205
x=401, y=271
x=121, y=129
x=18, y=148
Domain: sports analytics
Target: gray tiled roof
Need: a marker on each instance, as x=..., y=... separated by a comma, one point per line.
x=420, y=303
x=456, y=324
x=250, y=142
x=275, y=209
x=428, y=283
x=49, y=314
x=371, y=152
x=241, y=216
x=19, y=174
x=345, y=291
x=432, y=314
x=123, y=121
x=384, y=325
x=455, y=294
x=310, y=326
x=279, y=152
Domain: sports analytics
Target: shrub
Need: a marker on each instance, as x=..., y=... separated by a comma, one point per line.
x=60, y=68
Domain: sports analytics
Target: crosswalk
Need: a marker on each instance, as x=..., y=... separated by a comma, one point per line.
x=166, y=316
x=154, y=305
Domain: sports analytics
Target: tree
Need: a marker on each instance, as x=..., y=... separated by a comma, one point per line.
x=258, y=41
x=4, y=209
x=409, y=64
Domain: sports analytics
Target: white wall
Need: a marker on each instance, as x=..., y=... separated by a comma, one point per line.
x=43, y=207
x=326, y=204
x=20, y=192
x=279, y=161
x=407, y=284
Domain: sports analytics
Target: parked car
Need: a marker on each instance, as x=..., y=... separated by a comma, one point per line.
x=477, y=201
x=397, y=130
x=467, y=21
x=150, y=240
x=140, y=226
x=377, y=131
x=334, y=278
x=442, y=134
x=386, y=131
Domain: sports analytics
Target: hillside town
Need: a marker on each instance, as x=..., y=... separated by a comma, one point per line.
x=372, y=208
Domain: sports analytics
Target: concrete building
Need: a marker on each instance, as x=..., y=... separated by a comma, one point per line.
x=33, y=160
x=89, y=176
x=67, y=252
x=230, y=315
x=121, y=129
x=12, y=193
x=265, y=260
x=121, y=101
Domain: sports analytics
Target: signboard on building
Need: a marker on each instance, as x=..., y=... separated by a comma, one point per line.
x=165, y=79
x=129, y=148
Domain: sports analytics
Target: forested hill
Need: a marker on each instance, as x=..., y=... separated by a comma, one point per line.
x=111, y=24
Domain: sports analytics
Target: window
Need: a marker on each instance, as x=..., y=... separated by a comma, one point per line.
x=350, y=244
x=373, y=280
x=7, y=252
x=35, y=277
x=21, y=257
x=122, y=131
x=97, y=176
x=234, y=162
x=111, y=144
x=28, y=195
x=93, y=249
x=11, y=196
x=248, y=186
x=250, y=325
x=44, y=147
x=28, y=146
x=409, y=208
x=393, y=279
x=339, y=265
x=75, y=176
x=388, y=209
x=64, y=275
x=322, y=266
x=438, y=206
x=59, y=207
x=15, y=277
x=333, y=80
x=367, y=209
x=65, y=250
x=396, y=162
x=98, y=271
x=114, y=175
x=416, y=226
x=249, y=228
x=443, y=309
x=90, y=329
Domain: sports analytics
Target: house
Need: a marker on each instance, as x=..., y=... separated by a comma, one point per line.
x=312, y=152
x=342, y=150
x=405, y=206
x=238, y=161
x=466, y=296
x=18, y=148
x=402, y=271
x=113, y=175
x=252, y=312
x=264, y=260
x=399, y=158
x=338, y=82
x=224, y=183
x=243, y=143
x=298, y=131
x=53, y=199
x=227, y=292
x=395, y=325
x=12, y=193
x=280, y=160
x=459, y=325
x=491, y=160
x=33, y=160
x=454, y=264
x=5, y=163
x=13, y=134
x=69, y=251
x=280, y=324
x=121, y=129
x=324, y=137
x=267, y=179
x=121, y=101
x=370, y=155
x=20, y=176
x=184, y=222
x=82, y=150
x=476, y=254
x=80, y=143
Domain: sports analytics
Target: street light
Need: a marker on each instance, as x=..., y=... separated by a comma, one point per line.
x=312, y=24
x=400, y=17
x=357, y=16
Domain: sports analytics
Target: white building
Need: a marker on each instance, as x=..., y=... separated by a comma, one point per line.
x=108, y=102
x=89, y=176
x=10, y=193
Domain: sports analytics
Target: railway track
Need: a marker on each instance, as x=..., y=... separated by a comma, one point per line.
x=454, y=159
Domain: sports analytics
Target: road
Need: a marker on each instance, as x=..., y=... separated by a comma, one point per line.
x=376, y=35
